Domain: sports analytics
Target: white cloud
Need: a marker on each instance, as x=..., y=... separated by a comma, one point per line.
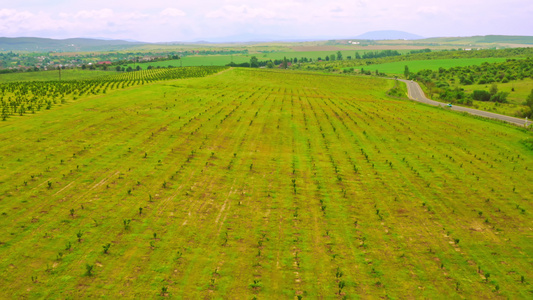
x=242, y=12
x=431, y=10
x=11, y=15
x=134, y=16
x=162, y=20
x=105, y=13
x=173, y=12
x=13, y=22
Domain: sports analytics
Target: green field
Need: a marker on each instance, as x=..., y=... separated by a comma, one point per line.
x=197, y=60
x=267, y=184
x=397, y=68
x=518, y=90
x=315, y=54
x=516, y=98
x=222, y=60
x=515, y=106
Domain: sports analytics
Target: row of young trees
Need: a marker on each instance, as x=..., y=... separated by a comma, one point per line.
x=286, y=62
x=19, y=98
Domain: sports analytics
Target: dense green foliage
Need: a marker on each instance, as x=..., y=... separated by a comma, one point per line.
x=449, y=83
x=511, y=69
x=379, y=54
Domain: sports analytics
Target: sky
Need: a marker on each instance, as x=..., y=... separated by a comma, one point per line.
x=193, y=20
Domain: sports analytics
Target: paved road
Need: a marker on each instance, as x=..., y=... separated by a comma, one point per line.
x=416, y=93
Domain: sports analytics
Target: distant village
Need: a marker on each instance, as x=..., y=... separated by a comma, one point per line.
x=11, y=62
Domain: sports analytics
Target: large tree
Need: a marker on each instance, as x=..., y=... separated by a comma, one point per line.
x=254, y=62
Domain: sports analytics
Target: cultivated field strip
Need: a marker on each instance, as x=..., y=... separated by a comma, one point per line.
x=23, y=98
x=263, y=184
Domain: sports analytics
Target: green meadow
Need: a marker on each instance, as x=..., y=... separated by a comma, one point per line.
x=265, y=184
x=397, y=68
x=196, y=60
x=518, y=89
x=315, y=55
x=518, y=92
x=222, y=60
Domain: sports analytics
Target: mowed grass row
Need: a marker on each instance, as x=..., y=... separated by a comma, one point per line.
x=264, y=184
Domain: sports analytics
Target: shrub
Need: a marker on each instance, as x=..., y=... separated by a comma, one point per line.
x=126, y=224
x=500, y=97
x=89, y=270
x=164, y=290
x=481, y=95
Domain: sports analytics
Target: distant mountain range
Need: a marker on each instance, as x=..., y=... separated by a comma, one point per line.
x=66, y=45
x=89, y=44
x=485, y=39
x=372, y=35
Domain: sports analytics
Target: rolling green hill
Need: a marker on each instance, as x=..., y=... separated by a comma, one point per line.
x=33, y=44
x=484, y=39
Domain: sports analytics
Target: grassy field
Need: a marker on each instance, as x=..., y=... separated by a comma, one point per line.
x=266, y=184
x=315, y=54
x=73, y=74
x=509, y=109
x=516, y=98
x=397, y=68
x=518, y=90
x=514, y=107
x=198, y=60
x=222, y=60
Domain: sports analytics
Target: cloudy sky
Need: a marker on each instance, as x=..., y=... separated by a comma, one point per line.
x=164, y=20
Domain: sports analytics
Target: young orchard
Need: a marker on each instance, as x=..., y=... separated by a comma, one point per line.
x=263, y=184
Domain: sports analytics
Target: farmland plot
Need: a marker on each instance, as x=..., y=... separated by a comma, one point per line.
x=265, y=184
x=30, y=97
